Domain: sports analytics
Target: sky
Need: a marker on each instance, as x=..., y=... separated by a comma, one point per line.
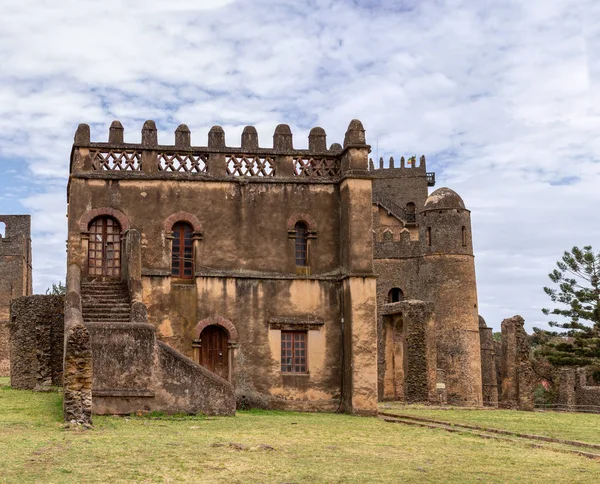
x=502, y=97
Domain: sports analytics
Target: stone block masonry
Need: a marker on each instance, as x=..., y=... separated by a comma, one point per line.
x=517, y=372
x=15, y=274
x=36, y=342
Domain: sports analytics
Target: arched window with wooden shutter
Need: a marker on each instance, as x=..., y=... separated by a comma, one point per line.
x=182, y=254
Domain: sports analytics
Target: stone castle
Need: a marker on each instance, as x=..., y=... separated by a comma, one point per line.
x=293, y=278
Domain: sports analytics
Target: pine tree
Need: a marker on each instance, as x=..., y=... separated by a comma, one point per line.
x=577, y=295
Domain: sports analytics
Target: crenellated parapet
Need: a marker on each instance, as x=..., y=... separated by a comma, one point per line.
x=404, y=168
x=117, y=159
x=402, y=247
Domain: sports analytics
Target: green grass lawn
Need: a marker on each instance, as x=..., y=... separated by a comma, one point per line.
x=35, y=447
x=571, y=426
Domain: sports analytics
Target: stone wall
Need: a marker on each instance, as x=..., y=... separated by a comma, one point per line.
x=4, y=348
x=15, y=274
x=36, y=342
x=517, y=372
x=409, y=368
x=134, y=372
x=574, y=392
x=488, y=365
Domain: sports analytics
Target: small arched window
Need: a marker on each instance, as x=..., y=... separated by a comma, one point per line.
x=464, y=236
x=301, y=243
x=428, y=237
x=395, y=295
x=411, y=212
x=182, y=257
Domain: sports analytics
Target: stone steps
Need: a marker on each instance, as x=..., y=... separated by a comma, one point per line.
x=105, y=302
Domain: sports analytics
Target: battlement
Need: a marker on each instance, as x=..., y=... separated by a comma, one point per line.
x=408, y=167
x=216, y=159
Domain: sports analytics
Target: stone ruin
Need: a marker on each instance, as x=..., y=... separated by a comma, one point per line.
x=507, y=373
x=15, y=274
x=576, y=392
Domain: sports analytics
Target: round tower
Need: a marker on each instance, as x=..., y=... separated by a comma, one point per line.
x=447, y=278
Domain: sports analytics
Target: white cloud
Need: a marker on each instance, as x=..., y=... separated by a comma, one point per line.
x=503, y=98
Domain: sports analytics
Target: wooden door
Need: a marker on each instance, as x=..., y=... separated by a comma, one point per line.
x=104, y=248
x=213, y=350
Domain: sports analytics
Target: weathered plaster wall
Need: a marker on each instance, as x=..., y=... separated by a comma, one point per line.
x=134, y=372
x=236, y=218
x=36, y=342
x=256, y=308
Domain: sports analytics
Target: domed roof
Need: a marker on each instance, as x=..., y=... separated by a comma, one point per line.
x=444, y=198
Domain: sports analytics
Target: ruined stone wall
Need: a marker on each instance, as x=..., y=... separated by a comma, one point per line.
x=15, y=274
x=498, y=364
x=574, y=392
x=517, y=372
x=488, y=365
x=409, y=363
x=36, y=342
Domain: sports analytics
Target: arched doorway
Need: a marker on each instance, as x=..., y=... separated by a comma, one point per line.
x=104, y=247
x=214, y=351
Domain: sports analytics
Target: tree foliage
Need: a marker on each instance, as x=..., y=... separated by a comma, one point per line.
x=57, y=289
x=576, y=294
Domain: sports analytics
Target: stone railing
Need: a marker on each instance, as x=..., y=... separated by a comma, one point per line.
x=214, y=160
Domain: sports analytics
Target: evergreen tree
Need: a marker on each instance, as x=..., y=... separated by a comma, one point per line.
x=576, y=292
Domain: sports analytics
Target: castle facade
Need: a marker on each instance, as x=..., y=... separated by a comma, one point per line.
x=306, y=278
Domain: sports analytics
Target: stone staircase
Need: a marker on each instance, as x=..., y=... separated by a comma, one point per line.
x=105, y=302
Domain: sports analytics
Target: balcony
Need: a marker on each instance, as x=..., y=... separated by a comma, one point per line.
x=430, y=179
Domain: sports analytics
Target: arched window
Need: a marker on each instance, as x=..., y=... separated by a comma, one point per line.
x=411, y=213
x=182, y=257
x=104, y=247
x=395, y=295
x=301, y=243
x=464, y=236
x=428, y=237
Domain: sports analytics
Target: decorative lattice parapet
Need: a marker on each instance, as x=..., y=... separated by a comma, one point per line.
x=216, y=160
x=405, y=167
